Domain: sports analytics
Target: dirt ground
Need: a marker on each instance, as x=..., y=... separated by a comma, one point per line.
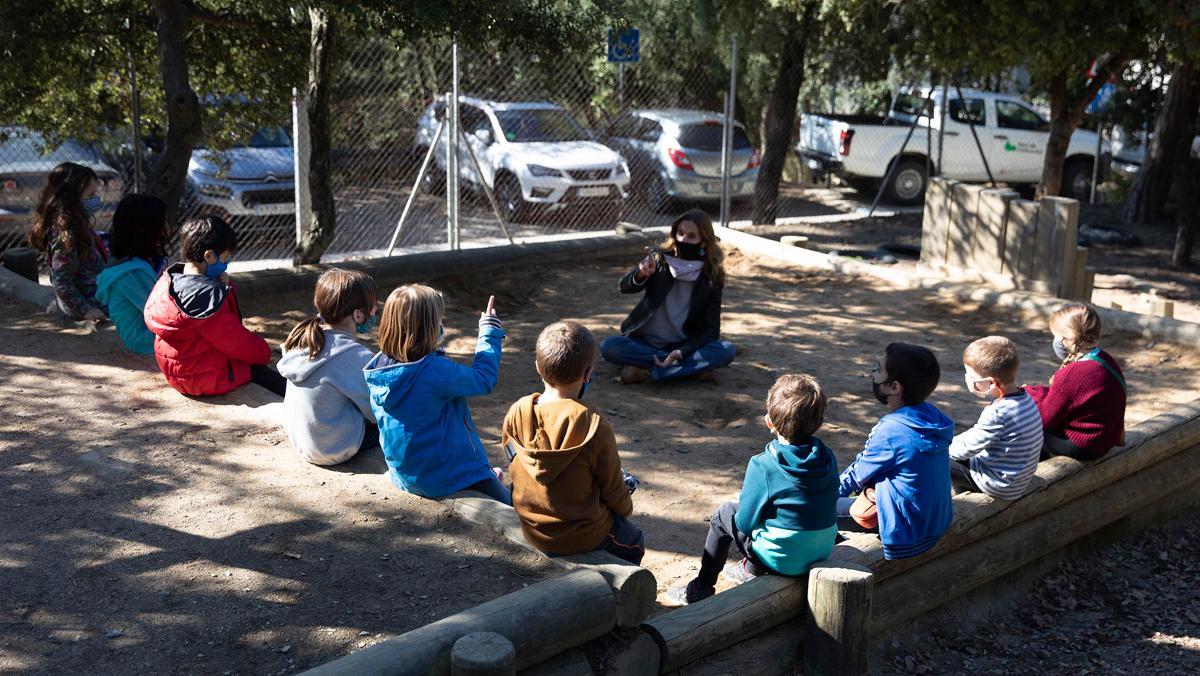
x=144, y=531
x=688, y=441
x=1133, y=608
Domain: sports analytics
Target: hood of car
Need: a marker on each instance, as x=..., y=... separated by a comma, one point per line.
x=569, y=155
x=243, y=164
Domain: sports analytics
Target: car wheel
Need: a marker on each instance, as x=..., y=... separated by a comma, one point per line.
x=907, y=186
x=511, y=200
x=1077, y=180
x=434, y=180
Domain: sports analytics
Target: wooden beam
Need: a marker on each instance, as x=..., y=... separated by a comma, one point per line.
x=483, y=653
x=837, y=625
x=963, y=222
x=935, y=220
x=634, y=586
x=918, y=591
x=703, y=628
x=541, y=620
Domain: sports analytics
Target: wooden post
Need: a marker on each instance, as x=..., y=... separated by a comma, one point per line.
x=1079, y=275
x=1089, y=284
x=1019, y=237
x=483, y=653
x=837, y=626
x=963, y=219
x=1058, y=236
x=987, y=249
x=935, y=222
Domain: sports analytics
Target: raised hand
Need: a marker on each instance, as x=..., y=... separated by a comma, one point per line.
x=491, y=308
x=646, y=268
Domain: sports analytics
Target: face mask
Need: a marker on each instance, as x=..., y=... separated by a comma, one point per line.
x=217, y=269
x=583, y=388
x=689, y=251
x=91, y=205
x=366, y=326
x=1060, y=349
x=441, y=333
x=974, y=390
x=877, y=390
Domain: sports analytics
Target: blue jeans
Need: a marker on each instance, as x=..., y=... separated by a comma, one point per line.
x=624, y=351
x=494, y=490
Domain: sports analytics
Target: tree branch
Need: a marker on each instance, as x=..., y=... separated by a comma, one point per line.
x=202, y=15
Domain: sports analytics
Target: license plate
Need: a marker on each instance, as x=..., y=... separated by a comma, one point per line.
x=712, y=188
x=601, y=191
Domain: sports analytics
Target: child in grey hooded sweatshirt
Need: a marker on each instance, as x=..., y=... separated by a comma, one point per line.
x=327, y=410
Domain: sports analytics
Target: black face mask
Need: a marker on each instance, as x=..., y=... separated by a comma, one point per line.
x=877, y=390
x=688, y=251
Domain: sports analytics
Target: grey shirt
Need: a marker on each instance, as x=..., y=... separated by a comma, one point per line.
x=665, y=326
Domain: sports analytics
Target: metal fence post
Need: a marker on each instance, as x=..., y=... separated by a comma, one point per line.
x=452, y=153
x=727, y=133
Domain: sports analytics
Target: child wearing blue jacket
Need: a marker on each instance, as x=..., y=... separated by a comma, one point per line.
x=907, y=457
x=418, y=396
x=137, y=245
x=785, y=519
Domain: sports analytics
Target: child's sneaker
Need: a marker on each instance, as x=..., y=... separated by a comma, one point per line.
x=688, y=593
x=737, y=573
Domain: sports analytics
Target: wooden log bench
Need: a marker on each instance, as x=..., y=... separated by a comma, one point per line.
x=634, y=587
x=541, y=621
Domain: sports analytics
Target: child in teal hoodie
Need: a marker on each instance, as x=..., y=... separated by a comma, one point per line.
x=785, y=519
x=137, y=243
x=906, y=459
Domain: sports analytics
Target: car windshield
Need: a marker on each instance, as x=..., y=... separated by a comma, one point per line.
x=542, y=125
x=16, y=146
x=708, y=137
x=908, y=104
x=265, y=137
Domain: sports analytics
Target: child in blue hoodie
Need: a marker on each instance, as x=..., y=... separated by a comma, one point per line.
x=906, y=460
x=419, y=397
x=785, y=519
x=137, y=243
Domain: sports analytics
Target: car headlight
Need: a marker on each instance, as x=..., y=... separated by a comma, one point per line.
x=213, y=190
x=623, y=168
x=539, y=170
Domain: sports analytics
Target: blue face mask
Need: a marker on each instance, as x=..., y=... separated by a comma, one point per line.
x=366, y=326
x=91, y=205
x=1060, y=350
x=216, y=269
x=583, y=388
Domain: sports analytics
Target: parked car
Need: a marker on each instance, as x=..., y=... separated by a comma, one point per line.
x=1129, y=150
x=25, y=161
x=250, y=181
x=534, y=155
x=675, y=155
x=1012, y=133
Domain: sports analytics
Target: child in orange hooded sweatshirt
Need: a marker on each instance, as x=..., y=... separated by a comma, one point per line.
x=568, y=487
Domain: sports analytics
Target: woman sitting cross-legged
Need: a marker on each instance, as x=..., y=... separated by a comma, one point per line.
x=675, y=330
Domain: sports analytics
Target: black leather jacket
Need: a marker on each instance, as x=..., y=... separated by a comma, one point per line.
x=703, y=323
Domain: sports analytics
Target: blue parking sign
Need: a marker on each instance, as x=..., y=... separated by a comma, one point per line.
x=623, y=46
x=1103, y=100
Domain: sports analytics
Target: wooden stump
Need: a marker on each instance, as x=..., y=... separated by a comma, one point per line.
x=483, y=653
x=837, y=626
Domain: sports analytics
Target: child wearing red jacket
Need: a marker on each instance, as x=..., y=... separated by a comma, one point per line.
x=1083, y=408
x=200, y=343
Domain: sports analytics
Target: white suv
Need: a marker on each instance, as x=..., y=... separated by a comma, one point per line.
x=535, y=156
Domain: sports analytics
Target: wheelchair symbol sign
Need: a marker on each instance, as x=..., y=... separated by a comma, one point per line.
x=623, y=46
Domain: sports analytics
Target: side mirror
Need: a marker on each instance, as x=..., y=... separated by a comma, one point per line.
x=484, y=136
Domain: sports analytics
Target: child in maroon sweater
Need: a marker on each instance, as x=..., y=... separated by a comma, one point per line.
x=1083, y=408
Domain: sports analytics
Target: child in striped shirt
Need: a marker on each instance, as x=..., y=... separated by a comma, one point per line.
x=999, y=455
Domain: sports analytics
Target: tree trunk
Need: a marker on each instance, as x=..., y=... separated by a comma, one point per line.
x=779, y=116
x=169, y=177
x=1168, y=146
x=317, y=234
x=1187, y=217
x=1065, y=114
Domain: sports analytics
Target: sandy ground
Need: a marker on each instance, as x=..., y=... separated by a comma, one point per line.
x=688, y=441
x=147, y=532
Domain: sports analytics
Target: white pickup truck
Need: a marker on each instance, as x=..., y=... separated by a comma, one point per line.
x=1012, y=133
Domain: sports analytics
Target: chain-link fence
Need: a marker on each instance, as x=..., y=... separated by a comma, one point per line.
x=553, y=147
